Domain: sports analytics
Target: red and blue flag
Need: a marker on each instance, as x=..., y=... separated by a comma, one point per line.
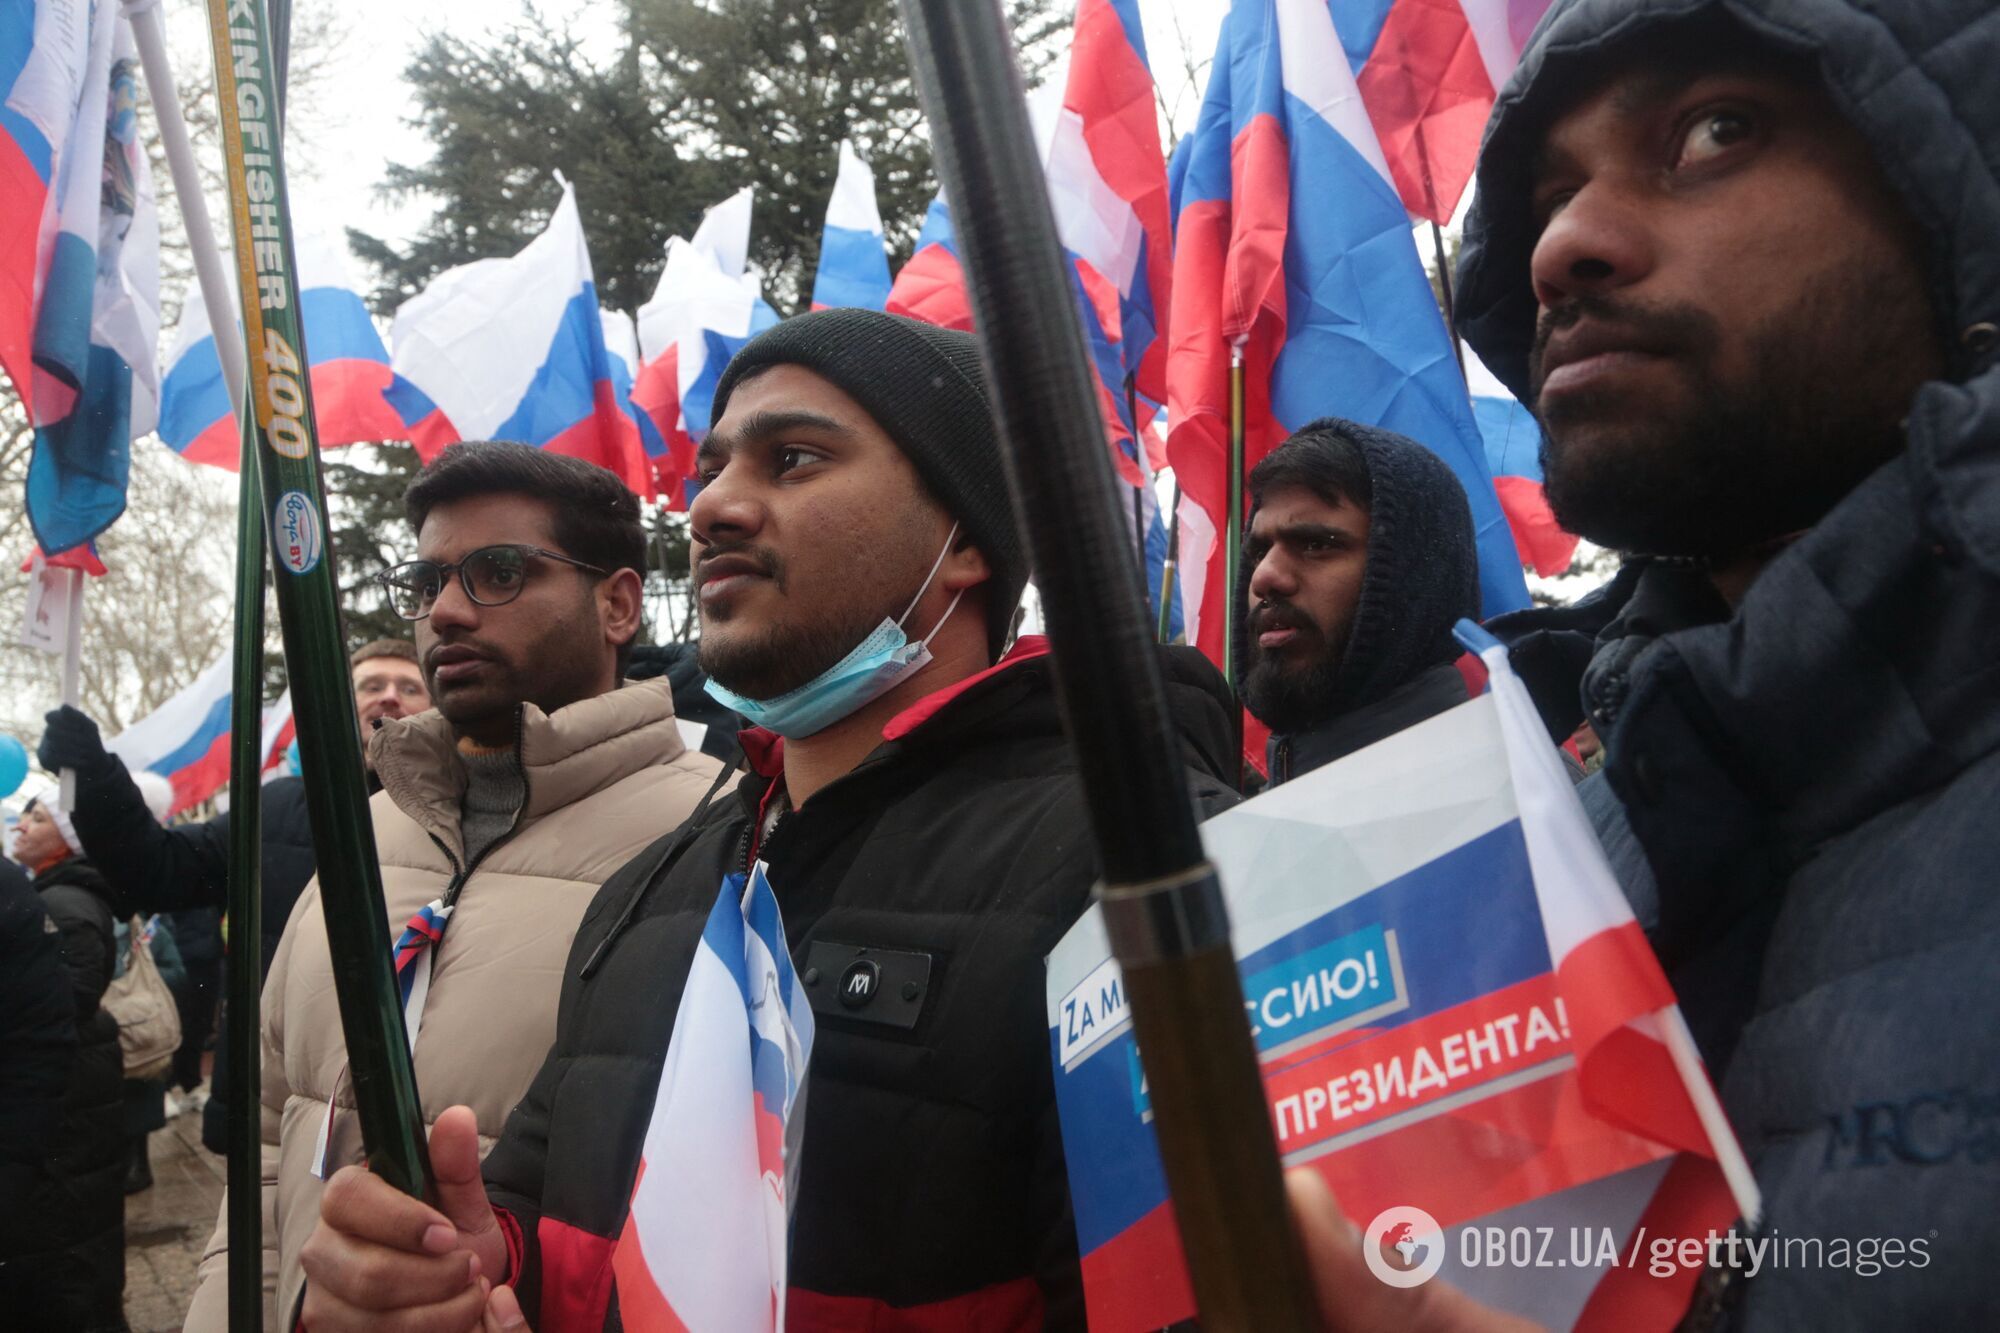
x=705, y=1241
x=350, y=367
x=1458, y=1022
x=186, y=739
x=1428, y=71
x=1513, y=452
x=931, y=286
x=853, y=265
x=708, y=304
x=1294, y=251
x=79, y=258
x=513, y=349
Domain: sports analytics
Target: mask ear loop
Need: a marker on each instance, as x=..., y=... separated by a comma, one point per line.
x=925, y=587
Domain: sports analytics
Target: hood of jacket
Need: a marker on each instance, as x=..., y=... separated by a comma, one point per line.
x=1860, y=667
x=1914, y=79
x=564, y=756
x=1420, y=579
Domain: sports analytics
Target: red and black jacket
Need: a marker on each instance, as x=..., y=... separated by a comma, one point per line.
x=932, y=1193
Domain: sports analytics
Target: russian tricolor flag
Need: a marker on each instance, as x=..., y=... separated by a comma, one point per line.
x=853, y=265
x=514, y=349
x=1107, y=179
x=708, y=305
x=705, y=1242
x=1454, y=1012
x=79, y=258
x=1427, y=71
x=931, y=286
x=1294, y=248
x=186, y=739
x=350, y=366
x=1513, y=452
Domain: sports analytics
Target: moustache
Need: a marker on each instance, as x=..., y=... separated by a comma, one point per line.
x=766, y=560
x=471, y=645
x=1668, y=330
x=1267, y=616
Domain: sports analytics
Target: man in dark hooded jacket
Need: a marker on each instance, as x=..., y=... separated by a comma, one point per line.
x=1744, y=258
x=1358, y=561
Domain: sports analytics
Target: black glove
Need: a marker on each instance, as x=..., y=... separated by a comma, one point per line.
x=70, y=740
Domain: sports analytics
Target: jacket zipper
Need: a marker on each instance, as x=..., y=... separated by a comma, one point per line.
x=459, y=875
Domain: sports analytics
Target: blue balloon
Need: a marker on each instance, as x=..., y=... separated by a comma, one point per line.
x=13, y=765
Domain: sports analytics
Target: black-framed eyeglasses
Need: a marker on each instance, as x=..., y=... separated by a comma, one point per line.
x=491, y=576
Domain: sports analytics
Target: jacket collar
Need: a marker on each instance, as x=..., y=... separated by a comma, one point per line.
x=1859, y=670
x=1422, y=696
x=565, y=756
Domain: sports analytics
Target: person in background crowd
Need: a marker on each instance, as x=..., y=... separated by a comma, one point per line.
x=196, y=933
x=927, y=811
x=1740, y=255
x=162, y=869
x=37, y=1054
x=71, y=1272
x=501, y=812
x=1357, y=562
x=146, y=1098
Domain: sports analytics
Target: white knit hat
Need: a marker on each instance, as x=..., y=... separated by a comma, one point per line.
x=156, y=791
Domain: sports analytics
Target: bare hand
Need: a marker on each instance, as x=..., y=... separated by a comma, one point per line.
x=380, y=1259
x=1354, y=1300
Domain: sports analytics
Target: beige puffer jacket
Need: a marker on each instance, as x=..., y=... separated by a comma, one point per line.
x=605, y=777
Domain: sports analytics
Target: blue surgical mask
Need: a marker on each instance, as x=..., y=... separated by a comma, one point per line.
x=878, y=664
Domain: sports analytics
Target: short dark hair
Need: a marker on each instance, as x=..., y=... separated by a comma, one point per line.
x=1320, y=459
x=596, y=516
x=374, y=648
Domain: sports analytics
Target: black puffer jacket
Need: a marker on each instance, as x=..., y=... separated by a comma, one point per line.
x=1806, y=787
x=161, y=869
x=933, y=1180
x=74, y=1277
x=37, y=1049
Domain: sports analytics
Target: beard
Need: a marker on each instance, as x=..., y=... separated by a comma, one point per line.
x=779, y=658
x=1290, y=697
x=1743, y=463
x=773, y=659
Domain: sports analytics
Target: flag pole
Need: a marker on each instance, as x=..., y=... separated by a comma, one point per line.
x=1437, y=247
x=1139, y=461
x=1233, y=529
x=72, y=670
x=246, y=907
x=244, y=977
x=1168, y=567
x=209, y=272
x=1161, y=901
x=280, y=396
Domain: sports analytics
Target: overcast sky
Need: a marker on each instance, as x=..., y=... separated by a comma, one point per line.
x=358, y=121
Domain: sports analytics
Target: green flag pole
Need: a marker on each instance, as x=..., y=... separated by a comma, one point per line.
x=1167, y=568
x=280, y=393
x=246, y=909
x=1233, y=529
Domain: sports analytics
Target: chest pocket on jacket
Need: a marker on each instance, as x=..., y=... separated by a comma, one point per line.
x=857, y=983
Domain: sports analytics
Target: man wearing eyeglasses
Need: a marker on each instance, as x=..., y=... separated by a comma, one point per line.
x=915, y=806
x=537, y=776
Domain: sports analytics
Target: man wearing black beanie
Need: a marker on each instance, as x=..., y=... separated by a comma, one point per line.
x=1358, y=561
x=917, y=812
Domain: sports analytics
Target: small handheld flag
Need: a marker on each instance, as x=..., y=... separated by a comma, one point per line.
x=705, y=1241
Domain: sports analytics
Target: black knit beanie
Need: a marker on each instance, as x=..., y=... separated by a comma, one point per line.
x=925, y=387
